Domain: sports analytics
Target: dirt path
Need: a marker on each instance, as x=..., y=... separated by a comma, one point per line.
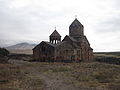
x=51, y=82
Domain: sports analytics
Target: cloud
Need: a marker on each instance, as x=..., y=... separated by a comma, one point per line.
x=34, y=20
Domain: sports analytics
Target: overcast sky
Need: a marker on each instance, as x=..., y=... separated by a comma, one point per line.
x=34, y=20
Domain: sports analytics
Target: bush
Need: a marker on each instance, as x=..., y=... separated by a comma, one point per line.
x=4, y=52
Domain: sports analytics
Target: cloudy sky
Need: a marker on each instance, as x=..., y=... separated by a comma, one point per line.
x=34, y=20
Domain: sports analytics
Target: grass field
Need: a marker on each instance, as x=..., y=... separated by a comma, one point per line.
x=59, y=76
x=107, y=54
x=28, y=51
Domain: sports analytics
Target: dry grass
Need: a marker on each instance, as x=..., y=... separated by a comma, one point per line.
x=60, y=76
x=28, y=51
x=14, y=77
x=107, y=54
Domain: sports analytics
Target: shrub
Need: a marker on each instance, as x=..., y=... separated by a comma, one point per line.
x=3, y=52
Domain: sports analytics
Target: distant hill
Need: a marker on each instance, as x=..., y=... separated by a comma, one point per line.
x=23, y=48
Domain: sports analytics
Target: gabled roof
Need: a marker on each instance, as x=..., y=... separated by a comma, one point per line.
x=48, y=43
x=70, y=38
x=76, y=22
x=85, y=39
x=55, y=33
x=58, y=44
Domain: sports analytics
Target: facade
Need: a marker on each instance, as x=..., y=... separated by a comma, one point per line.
x=74, y=47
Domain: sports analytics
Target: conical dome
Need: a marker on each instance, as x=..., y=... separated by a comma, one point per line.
x=76, y=23
x=55, y=33
x=76, y=29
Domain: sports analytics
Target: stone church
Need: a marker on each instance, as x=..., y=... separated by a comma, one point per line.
x=74, y=47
